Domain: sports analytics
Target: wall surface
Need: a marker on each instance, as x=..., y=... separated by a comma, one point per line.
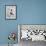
x=28, y=12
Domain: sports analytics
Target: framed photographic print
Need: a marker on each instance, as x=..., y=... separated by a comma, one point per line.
x=10, y=12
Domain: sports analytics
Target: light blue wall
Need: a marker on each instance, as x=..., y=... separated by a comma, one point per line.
x=28, y=12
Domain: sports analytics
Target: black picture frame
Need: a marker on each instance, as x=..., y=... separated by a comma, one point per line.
x=13, y=9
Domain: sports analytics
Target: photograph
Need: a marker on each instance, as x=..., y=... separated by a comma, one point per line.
x=10, y=12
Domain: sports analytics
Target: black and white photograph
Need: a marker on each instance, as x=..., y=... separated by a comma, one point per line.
x=10, y=12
